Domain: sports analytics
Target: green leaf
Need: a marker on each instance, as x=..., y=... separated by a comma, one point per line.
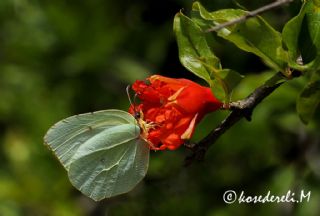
x=101, y=151
x=301, y=35
x=193, y=48
x=196, y=55
x=254, y=35
x=225, y=82
x=309, y=100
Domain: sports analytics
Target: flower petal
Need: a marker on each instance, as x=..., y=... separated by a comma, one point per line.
x=188, y=133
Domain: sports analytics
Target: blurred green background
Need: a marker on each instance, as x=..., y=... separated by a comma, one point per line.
x=60, y=58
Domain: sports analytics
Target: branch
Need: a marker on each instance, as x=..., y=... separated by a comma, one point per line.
x=240, y=109
x=250, y=14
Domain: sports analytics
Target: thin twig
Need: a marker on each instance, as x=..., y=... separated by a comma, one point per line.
x=242, y=108
x=250, y=14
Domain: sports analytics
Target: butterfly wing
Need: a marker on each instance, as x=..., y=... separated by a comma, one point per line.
x=101, y=151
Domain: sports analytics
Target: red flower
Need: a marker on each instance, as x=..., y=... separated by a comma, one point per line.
x=170, y=109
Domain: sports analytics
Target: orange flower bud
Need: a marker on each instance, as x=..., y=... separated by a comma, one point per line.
x=170, y=109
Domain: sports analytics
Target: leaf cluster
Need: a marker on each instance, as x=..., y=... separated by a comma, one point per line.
x=295, y=51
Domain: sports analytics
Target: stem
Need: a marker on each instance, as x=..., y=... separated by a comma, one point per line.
x=250, y=14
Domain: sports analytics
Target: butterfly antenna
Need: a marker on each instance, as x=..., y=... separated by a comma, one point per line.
x=129, y=96
x=134, y=98
x=136, y=113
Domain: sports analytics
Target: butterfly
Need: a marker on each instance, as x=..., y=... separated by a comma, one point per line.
x=101, y=151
